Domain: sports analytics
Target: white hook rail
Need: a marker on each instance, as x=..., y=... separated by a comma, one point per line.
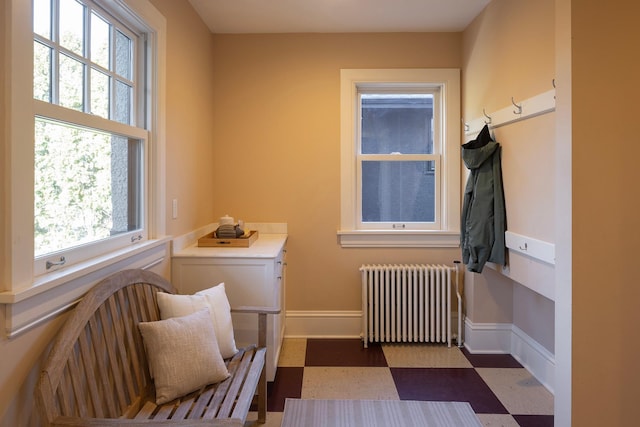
x=538, y=249
x=531, y=107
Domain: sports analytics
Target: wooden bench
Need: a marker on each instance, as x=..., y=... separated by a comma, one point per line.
x=97, y=373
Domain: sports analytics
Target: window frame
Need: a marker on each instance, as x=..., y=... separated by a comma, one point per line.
x=434, y=157
x=446, y=231
x=21, y=279
x=137, y=127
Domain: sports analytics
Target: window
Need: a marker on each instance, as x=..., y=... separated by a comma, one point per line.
x=90, y=124
x=90, y=132
x=397, y=167
x=400, y=167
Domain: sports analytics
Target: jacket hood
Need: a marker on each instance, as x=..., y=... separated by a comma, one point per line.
x=476, y=152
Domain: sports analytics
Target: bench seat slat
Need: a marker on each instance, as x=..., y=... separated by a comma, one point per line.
x=202, y=403
x=236, y=383
x=146, y=411
x=251, y=380
x=164, y=413
x=222, y=388
x=184, y=406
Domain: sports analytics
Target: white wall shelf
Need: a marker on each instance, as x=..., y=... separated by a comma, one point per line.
x=538, y=249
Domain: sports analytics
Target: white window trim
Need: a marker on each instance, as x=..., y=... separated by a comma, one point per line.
x=19, y=285
x=448, y=79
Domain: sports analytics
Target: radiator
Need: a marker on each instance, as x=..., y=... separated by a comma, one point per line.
x=408, y=303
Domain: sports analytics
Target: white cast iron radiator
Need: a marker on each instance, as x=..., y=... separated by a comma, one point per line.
x=408, y=303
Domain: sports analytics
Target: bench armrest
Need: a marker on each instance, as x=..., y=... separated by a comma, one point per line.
x=262, y=319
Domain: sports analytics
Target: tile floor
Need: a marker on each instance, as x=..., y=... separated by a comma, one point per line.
x=498, y=388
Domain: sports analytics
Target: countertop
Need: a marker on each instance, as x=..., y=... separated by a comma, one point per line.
x=268, y=245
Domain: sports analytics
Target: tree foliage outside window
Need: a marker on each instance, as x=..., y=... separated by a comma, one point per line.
x=72, y=186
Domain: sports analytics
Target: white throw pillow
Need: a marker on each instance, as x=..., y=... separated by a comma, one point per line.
x=183, y=354
x=215, y=299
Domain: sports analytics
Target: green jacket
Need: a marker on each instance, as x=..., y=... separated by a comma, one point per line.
x=483, y=210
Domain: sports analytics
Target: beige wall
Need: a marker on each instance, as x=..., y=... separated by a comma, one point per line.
x=508, y=51
x=605, y=90
x=3, y=154
x=22, y=357
x=189, y=145
x=277, y=146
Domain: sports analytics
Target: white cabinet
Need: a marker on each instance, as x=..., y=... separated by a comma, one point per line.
x=253, y=276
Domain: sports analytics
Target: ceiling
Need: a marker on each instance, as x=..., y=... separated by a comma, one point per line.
x=337, y=16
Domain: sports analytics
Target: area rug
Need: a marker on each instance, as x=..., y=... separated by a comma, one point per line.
x=377, y=413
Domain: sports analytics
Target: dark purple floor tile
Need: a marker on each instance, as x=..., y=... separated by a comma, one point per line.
x=343, y=352
x=491, y=360
x=534, y=420
x=287, y=383
x=447, y=384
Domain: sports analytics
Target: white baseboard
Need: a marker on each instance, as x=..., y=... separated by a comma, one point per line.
x=537, y=359
x=484, y=338
x=334, y=324
x=323, y=324
x=489, y=338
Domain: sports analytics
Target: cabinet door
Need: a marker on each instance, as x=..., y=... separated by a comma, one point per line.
x=247, y=281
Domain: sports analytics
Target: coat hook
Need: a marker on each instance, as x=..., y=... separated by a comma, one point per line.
x=466, y=125
x=488, y=118
x=553, y=82
x=519, y=107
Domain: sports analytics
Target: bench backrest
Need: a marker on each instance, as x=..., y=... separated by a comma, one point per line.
x=97, y=366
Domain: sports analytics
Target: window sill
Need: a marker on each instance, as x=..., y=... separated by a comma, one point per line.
x=398, y=239
x=55, y=292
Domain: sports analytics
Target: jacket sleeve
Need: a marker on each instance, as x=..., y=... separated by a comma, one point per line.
x=498, y=250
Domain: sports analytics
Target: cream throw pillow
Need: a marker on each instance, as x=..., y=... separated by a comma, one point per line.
x=215, y=299
x=183, y=354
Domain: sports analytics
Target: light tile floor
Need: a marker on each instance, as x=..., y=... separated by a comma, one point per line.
x=500, y=390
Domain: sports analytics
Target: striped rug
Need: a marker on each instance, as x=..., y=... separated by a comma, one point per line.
x=377, y=413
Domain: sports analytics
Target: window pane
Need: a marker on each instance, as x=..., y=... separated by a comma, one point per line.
x=123, y=103
x=99, y=93
x=99, y=41
x=41, y=72
x=71, y=83
x=72, y=26
x=393, y=123
x=398, y=191
x=42, y=18
x=123, y=55
x=87, y=186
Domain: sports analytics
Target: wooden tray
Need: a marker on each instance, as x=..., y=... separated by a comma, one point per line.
x=241, y=242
